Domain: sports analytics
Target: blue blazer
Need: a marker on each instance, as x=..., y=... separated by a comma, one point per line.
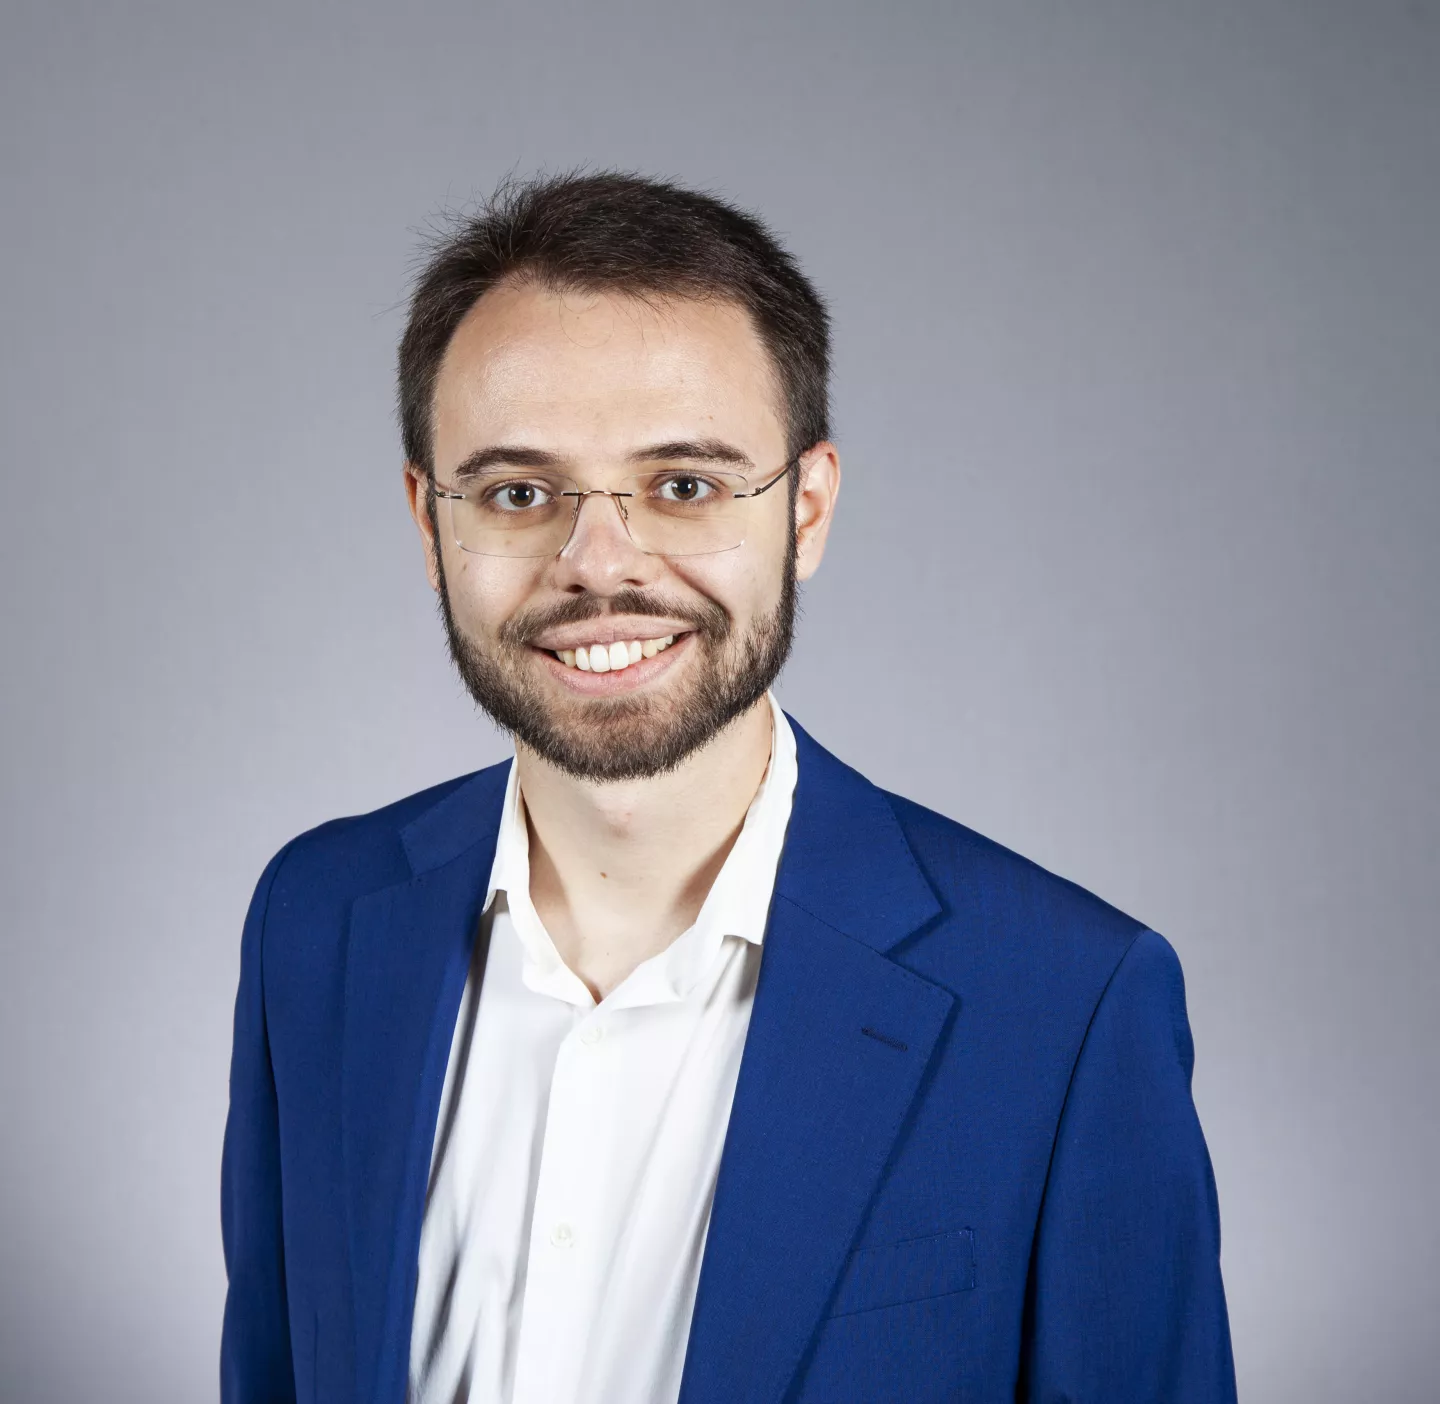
x=962, y=1162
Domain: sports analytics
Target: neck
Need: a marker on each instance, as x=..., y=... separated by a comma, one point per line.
x=619, y=869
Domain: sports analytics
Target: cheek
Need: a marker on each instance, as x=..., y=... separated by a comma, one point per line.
x=746, y=582
x=487, y=590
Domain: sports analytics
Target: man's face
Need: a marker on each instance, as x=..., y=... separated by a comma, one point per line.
x=605, y=386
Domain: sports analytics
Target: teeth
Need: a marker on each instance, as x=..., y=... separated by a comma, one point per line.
x=612, y=658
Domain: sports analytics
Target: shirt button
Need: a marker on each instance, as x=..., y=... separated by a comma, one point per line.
x=562, y=1236
x=591, y=1034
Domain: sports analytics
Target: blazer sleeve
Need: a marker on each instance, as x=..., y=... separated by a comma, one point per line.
x=255, y=1358
x=1125, y=1302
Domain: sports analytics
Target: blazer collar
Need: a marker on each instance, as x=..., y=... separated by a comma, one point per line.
x=846, y=860
x=468, y=815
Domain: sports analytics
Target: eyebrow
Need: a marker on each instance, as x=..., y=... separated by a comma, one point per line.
x=693, y=451
x=672, y=451
x=513, y=455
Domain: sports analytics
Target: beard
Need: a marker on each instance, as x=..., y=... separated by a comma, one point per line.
x=629, y=737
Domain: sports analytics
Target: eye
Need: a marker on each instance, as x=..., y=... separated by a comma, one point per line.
x=684, y=487
x=517, y=496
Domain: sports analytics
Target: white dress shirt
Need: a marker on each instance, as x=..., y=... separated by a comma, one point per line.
x=578, y=1143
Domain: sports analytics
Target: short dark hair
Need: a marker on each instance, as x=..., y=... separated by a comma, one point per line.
x=614, y=232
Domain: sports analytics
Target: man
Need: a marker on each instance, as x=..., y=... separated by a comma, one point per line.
x=674, y=1060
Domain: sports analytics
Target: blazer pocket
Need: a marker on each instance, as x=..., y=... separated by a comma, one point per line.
x=909, y=1271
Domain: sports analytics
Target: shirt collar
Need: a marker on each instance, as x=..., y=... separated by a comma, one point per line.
x=737, y=905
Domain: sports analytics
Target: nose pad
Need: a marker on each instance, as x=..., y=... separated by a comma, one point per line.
x=580, y=501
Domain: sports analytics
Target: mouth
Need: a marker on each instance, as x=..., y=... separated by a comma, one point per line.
x=611, y=657
x=603, y=668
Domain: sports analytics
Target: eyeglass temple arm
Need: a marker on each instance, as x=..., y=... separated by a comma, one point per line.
x=765, y=487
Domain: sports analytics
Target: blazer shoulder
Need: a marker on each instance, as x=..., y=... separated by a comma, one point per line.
x=1013, y=899
x=359, y=852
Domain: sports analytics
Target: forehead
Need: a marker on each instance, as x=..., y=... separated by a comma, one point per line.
x=598, y=374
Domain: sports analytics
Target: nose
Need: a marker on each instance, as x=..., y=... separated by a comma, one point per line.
x=600, y=556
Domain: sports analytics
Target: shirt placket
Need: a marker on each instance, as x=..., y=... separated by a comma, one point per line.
x=569, y=1231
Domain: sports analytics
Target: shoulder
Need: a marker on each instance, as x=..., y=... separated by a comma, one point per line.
x=1008, y=917
x=994, y=881
x=300, y=914
x=1001, y=913
x=1042, y=963
x=356, y=853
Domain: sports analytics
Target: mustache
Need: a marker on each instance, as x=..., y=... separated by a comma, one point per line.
x=708, y=619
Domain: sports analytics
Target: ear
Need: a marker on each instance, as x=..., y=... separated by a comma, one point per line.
x=417, y=493
x=819, y=471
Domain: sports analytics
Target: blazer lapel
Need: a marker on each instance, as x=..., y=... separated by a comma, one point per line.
x=839, y=1040
x=408, y=956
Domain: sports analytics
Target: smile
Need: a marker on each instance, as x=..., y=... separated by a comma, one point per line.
x=613, y=657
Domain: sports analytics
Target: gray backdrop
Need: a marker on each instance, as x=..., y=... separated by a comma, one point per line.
x=1138, y=315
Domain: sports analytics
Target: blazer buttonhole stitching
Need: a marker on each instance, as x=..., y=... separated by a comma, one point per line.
x=885, y=1039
